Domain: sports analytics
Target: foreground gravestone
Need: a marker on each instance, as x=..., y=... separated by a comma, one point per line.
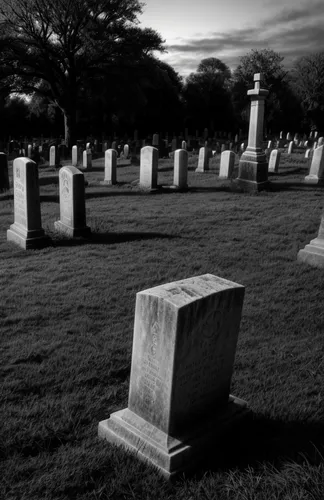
x=274, y=161
x=4, y=174
x=149, y=167
x=290, y=147
x=316, y=172
x=27, y=229
x=253, y=165
x=185, y=337
x=313, y=254
x=227, y=162
x=110, y=167
x=180, y=174
x=72, y=221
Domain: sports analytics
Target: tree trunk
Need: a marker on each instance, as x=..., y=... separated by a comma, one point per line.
x=69, y=127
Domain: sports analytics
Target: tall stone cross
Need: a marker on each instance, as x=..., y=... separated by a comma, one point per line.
x=253, y=166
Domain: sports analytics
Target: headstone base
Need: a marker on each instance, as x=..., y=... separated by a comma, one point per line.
x=313, y=179
x=253, y=171
x=107, y=183
x=72, y=232
x=27, y=239
x=169, y=454
x=313, y=254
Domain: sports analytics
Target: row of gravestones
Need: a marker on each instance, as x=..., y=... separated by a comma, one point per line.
x=27, y=231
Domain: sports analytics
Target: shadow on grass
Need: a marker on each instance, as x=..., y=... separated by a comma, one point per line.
x=275, y=186
x=286, y=172
x=109, y=238
x=260, y=439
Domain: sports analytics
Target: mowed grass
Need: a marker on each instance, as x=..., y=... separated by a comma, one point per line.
x=67, y=314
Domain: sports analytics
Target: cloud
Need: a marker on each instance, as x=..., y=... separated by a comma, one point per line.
x=292, y=32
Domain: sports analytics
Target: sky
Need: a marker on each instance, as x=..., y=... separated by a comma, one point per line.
x=228, y=29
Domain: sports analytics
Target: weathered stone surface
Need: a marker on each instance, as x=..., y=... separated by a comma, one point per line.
x=27, y=229
x=149, y=167
x=72, y=203
x=274, y=161
x=313, y=253
x=227, y=163
x=316, y=172
x=185, y=337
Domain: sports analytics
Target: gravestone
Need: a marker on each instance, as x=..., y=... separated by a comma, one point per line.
x=316, y=172
x=269, y=144
x=203, y=160
x=313, y=254
x=253, y=165
x=126, y=151
x=74, y=156
x=185, y=337
x=155, y=140
x=110, y=167
x=72, y=221
x=149, y=167
x=308, y=153
x=27, y=229
x=320, y=141
x=52, y=156
x=87, y=159
x=174, y=144
x=227, y=162
x=180, y=169
x=29, y=150
x=274, y=161
x=4, y=174
x=184, y=145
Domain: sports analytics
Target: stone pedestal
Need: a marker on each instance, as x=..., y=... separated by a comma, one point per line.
x=185, y=337
x=72, y=221
x=27, y=229
x=313, y=254
x=253, y=165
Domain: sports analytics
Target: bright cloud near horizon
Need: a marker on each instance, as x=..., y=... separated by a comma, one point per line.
x=229, y=29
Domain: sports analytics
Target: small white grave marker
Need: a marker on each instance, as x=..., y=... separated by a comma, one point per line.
x=180, y=169
x=72, y=203
x=227, y=162
x=149, y=167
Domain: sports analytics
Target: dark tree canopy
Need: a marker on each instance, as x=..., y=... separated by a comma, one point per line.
x=55, y=48
x=207, y=97
x=308, y=81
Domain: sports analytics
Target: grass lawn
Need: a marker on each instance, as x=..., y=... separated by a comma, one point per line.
x=66, y=319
